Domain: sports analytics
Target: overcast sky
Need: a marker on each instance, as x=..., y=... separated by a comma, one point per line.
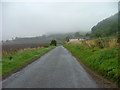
x=26, y=19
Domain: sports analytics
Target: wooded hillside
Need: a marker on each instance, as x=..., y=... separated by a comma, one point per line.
x=107, y=27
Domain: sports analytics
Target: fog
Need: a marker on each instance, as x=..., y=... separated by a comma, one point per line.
x=29, y=19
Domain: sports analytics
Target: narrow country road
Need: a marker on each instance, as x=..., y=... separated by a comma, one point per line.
x=56, y=69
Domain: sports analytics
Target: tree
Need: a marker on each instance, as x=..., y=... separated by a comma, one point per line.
x=67, y=38
x=87, y=34
x=77, y=34
x=98, y=34
x=53, y=42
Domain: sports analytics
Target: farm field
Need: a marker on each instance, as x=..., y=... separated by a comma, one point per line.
x=12, y=62
x=104, y=61
x=14, y=46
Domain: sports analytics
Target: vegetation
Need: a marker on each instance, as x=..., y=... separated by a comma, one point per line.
x=16, y=60
x=103, y=60
x=100, y=53
x=53, y=42
x=107, y=27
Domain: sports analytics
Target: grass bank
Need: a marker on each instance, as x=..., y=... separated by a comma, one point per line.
x=17, y=60
x=101, y=60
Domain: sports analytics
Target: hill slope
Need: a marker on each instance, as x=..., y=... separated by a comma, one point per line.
x=107, y=27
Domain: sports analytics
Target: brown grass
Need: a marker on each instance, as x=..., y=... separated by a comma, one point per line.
x=105, y=43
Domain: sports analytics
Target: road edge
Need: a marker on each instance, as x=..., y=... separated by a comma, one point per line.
x=104, y=83
x=33, y=60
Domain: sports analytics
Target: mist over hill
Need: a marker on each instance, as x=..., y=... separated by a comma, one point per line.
x=44, y=39
x=107, y=27
x=104, y=28
x=38, y=41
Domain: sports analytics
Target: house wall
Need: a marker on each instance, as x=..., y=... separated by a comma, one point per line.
x=71, y=40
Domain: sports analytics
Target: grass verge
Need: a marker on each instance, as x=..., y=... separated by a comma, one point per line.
x=102, y=61
x=13, y=62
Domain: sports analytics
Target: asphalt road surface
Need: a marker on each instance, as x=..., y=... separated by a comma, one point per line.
x=56, y=69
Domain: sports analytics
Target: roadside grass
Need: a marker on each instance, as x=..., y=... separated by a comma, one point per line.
x=17, y=60
x=102, y=61
x=0, y=68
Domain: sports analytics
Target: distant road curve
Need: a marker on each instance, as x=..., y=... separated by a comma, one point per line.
x=56, y=69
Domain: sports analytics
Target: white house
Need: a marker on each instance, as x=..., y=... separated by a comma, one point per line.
x=72, y=40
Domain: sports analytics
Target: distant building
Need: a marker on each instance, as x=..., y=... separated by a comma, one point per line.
x=79, y=39
x=72, y=40
x=84, y=38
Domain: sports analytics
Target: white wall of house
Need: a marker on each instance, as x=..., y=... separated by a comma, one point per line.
x=72, y=40
x=81, y=39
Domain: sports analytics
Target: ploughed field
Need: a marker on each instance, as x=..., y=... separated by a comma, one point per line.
x=21, y=45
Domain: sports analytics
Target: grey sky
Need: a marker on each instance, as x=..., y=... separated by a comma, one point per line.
x=25, y=19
